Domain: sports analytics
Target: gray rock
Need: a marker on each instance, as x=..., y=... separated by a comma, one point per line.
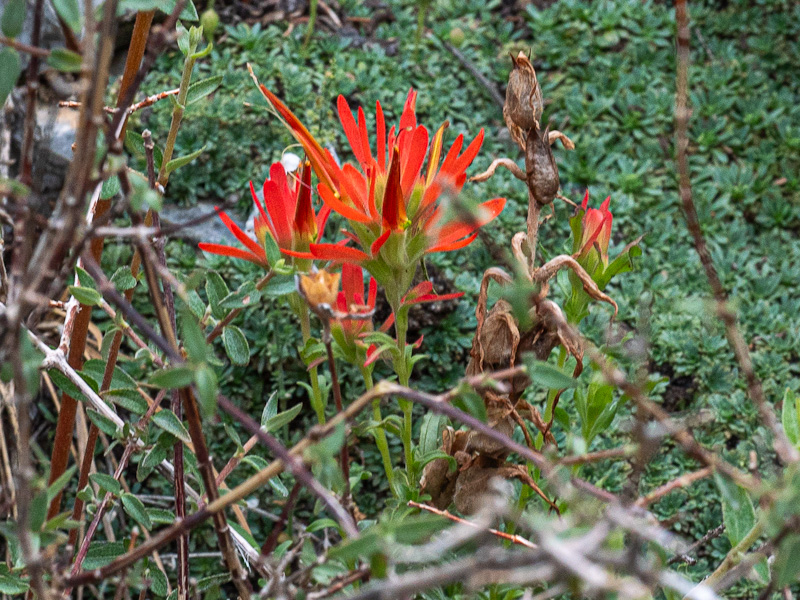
x=210, y=230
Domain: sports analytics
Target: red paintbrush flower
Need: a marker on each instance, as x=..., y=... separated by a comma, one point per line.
x=595, y=229
x=395, y=209
x=286, y=215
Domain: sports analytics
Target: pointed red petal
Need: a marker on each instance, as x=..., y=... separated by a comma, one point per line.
x=394, y=206
x=348, y=212
x=414, y=158
x=465, y=160
x=350, y=128
x=324, y=167
x=378, y=243
x=381, y=132
x=408, y=119
x=221, y=250
x=242, y=236
x=373, y=293
x=338, y=253
x=453, y=246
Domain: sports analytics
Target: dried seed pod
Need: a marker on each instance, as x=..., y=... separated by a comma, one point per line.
x=523, y=107
x=471, y=488
x=498, y=420
x=541, y=168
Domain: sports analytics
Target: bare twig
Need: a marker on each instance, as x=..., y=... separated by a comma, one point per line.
x=783, y=447
x=514, y=539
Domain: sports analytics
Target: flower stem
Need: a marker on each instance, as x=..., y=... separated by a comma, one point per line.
x=551, y=397
x=177, y=116
x=379, y=433
x=403, y=376
x=317, y=402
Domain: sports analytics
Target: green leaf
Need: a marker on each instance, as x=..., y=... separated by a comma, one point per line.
x=134, y=507
x=365, y=546
x=62, y=382
x=13, y=18
x=786, y=566
x=127, y=399
x=170, y=423
x=12, y=584
x=93, y=371
x=10, y=68
x=101, y=554
x=471, y=403
x=59, y=484
x=70, y=12
x=106, y=482
x=430, y=433
x=38, y=511
x=200, y=89
x=236, y=346
x=207, y=388
x=246, y=295
x=123, y=279
x=320, y=524
x=103, y=423
x=173, y=377
x=177, y=163
x=281, y=419
x=158, y=581
x=189, y=12
x=216, y=290
x=134, y=143
x=154, y=457
x=194, y=340
x=270, y=409
x=86, y=296
x=161, y=516
x=279, y=285
x=738, y=512
x=65, y=60
x=790, y=416
x=547, y=375
x=272, y=250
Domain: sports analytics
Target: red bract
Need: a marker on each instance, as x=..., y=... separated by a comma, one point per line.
x=394, y=207
x=595, y=229
x=420, y=294
x=351, y=300
x=286, y=214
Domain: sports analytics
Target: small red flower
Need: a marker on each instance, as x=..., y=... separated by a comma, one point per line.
x=595, y=229
x=286, y=215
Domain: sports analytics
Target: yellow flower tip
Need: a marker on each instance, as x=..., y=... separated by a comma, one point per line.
x=321, y=287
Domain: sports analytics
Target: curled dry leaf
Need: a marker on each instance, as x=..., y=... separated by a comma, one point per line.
x=547, y=271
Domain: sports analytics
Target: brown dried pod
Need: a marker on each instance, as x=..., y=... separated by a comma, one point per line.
x=523, y=107
x=540, y=166
x=495, y=346
x=471, y=488
x=437, y=478
x=498, y=419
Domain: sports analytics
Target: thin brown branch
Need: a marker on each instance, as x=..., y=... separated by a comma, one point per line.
x=514, y=539
x=680, y=482
x=26, y=48
x=783, y=447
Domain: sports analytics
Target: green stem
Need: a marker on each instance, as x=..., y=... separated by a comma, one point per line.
x=177, y=116
x=379, y=433
x=551, y=397
x=403, y=376
x=317, y=402
x=312, y=19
